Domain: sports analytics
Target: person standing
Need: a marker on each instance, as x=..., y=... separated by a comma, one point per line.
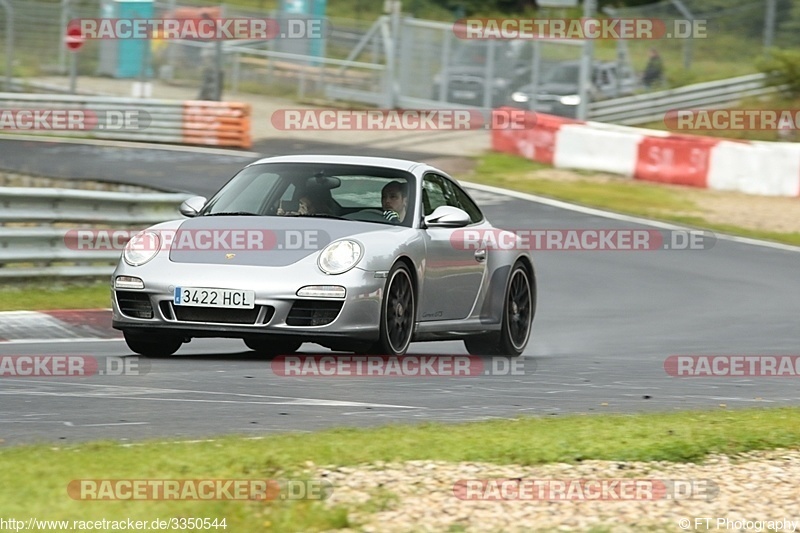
x=654, y=71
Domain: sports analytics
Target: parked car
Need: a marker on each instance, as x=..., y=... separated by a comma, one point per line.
x=466, y=73
x=364, y=270
x=558, y=94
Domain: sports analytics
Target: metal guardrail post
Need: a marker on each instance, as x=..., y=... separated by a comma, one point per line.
x=587, y=56
x=9, y=42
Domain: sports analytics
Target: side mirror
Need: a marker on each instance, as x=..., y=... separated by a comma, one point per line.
x=447, y=216
x=191, y=206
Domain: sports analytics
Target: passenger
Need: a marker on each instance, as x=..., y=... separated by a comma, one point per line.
x=394, y=199
x=311, y=203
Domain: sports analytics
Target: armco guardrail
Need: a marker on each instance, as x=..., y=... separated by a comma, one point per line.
x=35, y=221
x=652, y=107
x=197, y=122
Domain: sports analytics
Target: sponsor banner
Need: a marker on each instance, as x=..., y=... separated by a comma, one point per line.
x=675, y=159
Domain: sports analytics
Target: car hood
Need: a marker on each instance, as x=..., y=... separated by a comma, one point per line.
x=559, y=89
x=259, y=241
x=466, y=70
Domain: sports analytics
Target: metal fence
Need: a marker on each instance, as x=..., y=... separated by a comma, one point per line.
x=737, y=33
x=35, y=224
x=399, y=60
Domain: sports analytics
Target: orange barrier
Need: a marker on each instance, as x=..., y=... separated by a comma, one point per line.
x=217, y=123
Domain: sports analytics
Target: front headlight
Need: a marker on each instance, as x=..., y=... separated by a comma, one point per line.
x=142, y=248
x=571, y=99
x=500, y=84
x=520, y=97
x=339, y=257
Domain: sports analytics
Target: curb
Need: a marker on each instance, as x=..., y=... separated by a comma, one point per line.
x=57, y=326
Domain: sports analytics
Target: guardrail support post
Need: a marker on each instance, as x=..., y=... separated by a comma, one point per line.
x=9, y=42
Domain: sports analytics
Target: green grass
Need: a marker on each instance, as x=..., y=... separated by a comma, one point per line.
x=55, y=294
x=624, y=196
x=33, y=479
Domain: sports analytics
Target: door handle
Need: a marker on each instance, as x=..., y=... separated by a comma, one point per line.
x=480, y=255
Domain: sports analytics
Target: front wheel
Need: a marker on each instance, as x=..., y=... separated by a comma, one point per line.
x=152, y=345
x=398, y=313
x=518, y=309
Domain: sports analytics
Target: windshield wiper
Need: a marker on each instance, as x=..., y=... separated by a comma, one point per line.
x=319, y=215
x=232, y=214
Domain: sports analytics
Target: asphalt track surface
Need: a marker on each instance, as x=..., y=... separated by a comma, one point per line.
x=605, y=324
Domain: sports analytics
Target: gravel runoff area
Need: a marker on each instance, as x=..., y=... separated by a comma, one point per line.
x=740, y=493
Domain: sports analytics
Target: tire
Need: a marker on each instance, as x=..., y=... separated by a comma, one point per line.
x=398, y=314
x=519, y=305
x=272, y=346
x=152, y=345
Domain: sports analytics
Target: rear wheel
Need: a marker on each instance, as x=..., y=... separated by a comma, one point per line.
x=518, y=310
x=272, y=346
x=398, y=312
x=152, y=344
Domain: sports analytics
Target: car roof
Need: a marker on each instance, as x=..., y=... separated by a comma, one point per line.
x=386, y=162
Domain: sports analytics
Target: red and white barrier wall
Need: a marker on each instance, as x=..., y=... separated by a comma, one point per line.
x=752, y=167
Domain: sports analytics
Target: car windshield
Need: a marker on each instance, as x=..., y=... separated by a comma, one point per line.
x=475, y=54
x=564, y=74
x=349, y=192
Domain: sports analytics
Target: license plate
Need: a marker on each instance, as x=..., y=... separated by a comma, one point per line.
x=465, y=94
x=206, y=297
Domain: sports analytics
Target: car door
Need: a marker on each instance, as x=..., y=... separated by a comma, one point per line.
x=453, y=274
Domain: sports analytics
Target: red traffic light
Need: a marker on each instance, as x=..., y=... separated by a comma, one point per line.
x=73, y=39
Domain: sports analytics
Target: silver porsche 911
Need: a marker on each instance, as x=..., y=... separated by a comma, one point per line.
x=357, y=254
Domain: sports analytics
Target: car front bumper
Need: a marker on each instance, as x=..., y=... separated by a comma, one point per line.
x=278, y=308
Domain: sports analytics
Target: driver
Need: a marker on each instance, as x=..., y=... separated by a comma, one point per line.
x=394, y=199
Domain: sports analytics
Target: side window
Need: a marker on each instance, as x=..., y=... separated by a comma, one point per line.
x=466, y=203
x=433, y=194
x=439, y=191
x=288, y=194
